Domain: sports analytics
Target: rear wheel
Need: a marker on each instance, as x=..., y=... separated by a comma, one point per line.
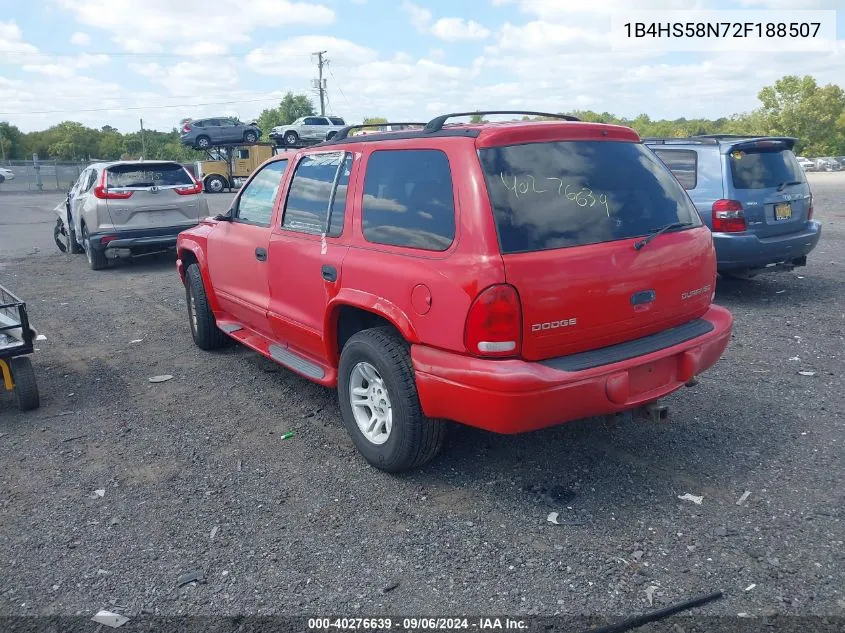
x=215, y=184
x=26, y=388
x=250, y=137
x=97, y=260
x=204, y=328
x=203, y=142
x=379, y=402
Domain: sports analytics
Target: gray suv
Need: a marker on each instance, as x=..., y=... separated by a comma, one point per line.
x=753, y=195
x=204, y=133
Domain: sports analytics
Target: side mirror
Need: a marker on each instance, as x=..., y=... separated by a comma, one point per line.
x=223, y=217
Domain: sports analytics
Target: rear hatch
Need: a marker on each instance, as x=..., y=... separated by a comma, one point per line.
x=151, y=194
x=568, y=214
x=765, y=177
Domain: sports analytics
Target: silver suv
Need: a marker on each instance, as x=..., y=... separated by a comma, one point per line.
x=122, y=209
x=203, y=133
x=307, y=129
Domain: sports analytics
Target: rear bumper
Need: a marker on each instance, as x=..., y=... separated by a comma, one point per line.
x=138, y=239
x=514, y=396
x=744, y=250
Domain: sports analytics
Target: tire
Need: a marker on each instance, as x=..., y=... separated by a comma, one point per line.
x=26, y=387
x=60, y=236
x=330, y=135
x=250, y=137
x=413, y=439
x=203, y=325
x=291, y=138
x=215, y=184
x=75, y=247
x=203, y=142
x=97, y=260
x=2, y=179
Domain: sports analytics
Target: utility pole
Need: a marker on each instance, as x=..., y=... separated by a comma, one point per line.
x=321, y=85
x=143, y=143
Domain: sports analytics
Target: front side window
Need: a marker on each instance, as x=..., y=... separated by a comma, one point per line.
x=255, y=204
x=409, y=200
x=571, y=193
x=311, y=190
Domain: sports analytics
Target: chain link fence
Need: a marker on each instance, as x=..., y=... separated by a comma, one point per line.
x=39, y=175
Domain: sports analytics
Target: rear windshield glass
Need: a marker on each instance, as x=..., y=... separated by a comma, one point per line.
x=571, y=193
x=148, y=175
x=764, y=168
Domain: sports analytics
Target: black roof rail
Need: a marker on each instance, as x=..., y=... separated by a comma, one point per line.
x=662, y=140
x=436, y=124
x=343, y=132
x=720, y=136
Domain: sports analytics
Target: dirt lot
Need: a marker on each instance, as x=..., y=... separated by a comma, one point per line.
x=196, y=476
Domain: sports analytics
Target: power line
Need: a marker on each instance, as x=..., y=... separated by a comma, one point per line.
x=337, y=83
x=159, y=107
x=125, y=54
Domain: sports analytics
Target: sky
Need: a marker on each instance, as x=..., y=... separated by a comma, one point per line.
x=113, y=62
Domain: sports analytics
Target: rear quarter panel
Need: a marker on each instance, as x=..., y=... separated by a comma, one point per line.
x=452, y=278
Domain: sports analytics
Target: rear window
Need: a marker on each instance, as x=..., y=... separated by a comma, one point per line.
x=763, y=168
x=166, y=175
x=572, y=193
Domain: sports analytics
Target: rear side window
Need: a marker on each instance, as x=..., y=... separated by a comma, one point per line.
x=318, y=186
x=572, y=193
x=336, y=120
x=409, y=199
x=763, y=168
x=166, y=175
x=681, y=162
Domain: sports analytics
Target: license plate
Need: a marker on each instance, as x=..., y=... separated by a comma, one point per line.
x=783, y=211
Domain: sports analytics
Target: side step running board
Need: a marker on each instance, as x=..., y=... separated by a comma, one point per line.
x=296, y=362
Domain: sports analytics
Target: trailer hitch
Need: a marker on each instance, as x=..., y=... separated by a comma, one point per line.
x=654, y=412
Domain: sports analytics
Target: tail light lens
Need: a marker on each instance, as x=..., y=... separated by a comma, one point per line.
x=101, y=192
x=107, y=238
x=494, y=323
x=728, y=216
x=186, y=128
x=189, y=190
x=810, y=208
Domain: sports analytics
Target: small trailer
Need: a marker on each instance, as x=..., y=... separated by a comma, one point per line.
x=16, y=343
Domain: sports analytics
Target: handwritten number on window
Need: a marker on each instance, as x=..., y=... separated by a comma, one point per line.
x=582, y=196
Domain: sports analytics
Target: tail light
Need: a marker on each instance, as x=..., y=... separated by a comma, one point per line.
x=810, y=209
x=107, y=238
x=728, y=216
x=494, y=323
x=189, y=190
x=102, y=193
x=186, y=128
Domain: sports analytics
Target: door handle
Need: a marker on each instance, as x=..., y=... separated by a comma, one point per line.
x=261, y=254
x=329, y=272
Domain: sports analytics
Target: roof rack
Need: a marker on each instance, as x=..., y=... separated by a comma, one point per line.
x=436, y=124
x=342, y=133
x=681, y=139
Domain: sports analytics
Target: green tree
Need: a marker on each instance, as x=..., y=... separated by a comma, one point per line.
x=797, y=106
x=11, y=142
x=477, y=118
x=291, y=107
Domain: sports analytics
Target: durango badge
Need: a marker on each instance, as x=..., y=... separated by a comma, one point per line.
x=694, y=293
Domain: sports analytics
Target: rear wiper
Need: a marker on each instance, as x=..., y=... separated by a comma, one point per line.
x=660, y=231
x=789, y=183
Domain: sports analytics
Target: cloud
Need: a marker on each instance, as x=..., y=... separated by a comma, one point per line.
x=80, y=39
x=452, y=29
x=420, y=17
x=154, y=22
x=11, y=39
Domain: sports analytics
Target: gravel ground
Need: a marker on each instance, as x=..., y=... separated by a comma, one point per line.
x=196, y=475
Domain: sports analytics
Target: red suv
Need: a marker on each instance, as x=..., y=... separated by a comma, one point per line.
x=509, y=276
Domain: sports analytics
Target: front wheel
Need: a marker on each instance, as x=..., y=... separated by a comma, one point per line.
x=379, y=403
x=204, y=328
x=26, y=388
x=215, y=184
x=291, y=138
